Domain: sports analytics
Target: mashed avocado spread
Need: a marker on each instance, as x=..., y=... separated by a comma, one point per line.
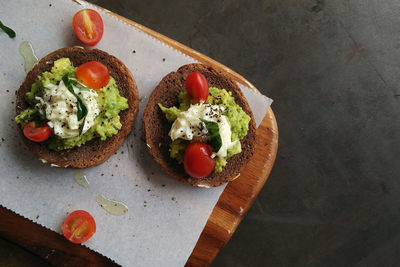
x=104, y=121
x=236, y=117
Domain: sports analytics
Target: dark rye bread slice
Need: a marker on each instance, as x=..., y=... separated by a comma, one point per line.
x=95, y=151
x=157, y=127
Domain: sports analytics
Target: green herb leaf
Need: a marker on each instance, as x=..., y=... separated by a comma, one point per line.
x=82, y=109
x=213, y=130
x=79, y=85
x=7, y=30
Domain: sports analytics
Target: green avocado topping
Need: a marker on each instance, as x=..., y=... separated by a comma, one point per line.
x=237, y=119
x=109, y=102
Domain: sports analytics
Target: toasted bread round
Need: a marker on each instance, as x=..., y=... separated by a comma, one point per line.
x=156, y=126
x=95, y=151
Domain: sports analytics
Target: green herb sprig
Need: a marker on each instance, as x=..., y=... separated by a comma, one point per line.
x=7, y=30
x=82, y=109
x=213, y=130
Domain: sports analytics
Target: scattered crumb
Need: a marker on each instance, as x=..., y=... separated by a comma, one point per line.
x=49, y=5
x=7, y=91
x=136, y=185
x=102, y=174
x=163, y=185
x=112, y=174
x=173, y=198
x=37, y=217
x=145, y=201
x=134, y=51
x=116, y=165
x=148, y=190
x=163, y=59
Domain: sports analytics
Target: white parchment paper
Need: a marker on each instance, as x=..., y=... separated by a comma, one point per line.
x=165, y=218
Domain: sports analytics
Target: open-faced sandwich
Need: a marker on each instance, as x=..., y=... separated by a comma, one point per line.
x=199, y=126
x=76, y=107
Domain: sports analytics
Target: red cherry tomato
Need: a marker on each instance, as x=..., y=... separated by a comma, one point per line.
x=93, y=74
x=197, y=160
x=36, y=134
x=79, y=226
x=197, y=86
x=88, y=26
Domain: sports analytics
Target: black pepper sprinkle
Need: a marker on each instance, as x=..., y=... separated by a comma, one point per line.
x=134, y=51
x=163, y=59
x=102, y=174
x=148, y=190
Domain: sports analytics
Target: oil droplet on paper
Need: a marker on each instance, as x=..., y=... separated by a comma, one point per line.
x=26, y=50
x=80, y=178
x=113, y=207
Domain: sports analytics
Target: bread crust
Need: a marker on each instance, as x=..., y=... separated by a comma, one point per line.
x=156, y=126
x=95, y=151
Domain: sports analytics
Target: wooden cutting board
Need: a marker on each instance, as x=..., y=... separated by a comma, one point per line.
x=230, y=209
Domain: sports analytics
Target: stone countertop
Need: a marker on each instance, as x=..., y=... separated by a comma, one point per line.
x=333, y=69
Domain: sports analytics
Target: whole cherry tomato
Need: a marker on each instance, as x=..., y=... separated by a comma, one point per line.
x=197, y=160
x=197, y=86
x=79, y=226
x=36, y=134
x=93, y=74
x=88, y=26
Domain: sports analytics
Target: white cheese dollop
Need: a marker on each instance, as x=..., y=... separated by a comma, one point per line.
x=188, y=125
x=60, y=108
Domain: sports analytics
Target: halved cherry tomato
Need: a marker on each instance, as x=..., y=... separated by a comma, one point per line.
x=197, y=160
x=88, y=26
x=93, y=74
x=197, y=86
x=36, y=134
x=79, y=226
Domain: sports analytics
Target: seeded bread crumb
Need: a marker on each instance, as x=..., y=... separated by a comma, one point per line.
x=95, y=151
x=156, y=126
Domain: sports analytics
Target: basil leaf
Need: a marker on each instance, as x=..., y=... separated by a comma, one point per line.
x=7, y=30
x=82, y=109
x=213, y=130
x=79, y=85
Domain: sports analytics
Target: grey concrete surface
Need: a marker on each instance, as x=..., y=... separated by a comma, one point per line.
x=332, y=67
